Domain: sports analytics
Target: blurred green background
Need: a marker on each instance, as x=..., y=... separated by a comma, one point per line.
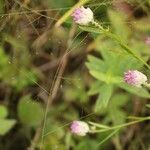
x=50, y=76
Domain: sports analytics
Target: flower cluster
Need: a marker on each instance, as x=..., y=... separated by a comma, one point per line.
x=83, y=16
x=79, y=128
x=135, y=78
x=147, y=41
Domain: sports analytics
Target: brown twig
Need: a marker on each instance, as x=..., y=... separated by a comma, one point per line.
x=50, y=65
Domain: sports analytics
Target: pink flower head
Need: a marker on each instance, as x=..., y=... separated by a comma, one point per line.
x=80, y=128
x=147, y=41
x=83, y=16
x=135, y=78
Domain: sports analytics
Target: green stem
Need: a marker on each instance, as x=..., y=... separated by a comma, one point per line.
x=125, y=47
x=109, y=136
x=120, y=126
x=96, y=24
x=121, y=43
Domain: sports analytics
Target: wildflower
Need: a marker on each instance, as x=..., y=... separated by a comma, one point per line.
x=79, y=128
x=147, y=41
x=135, y=78
x=83, y=16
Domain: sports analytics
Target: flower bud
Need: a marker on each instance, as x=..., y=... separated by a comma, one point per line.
x=135, y=78
x=79, y=128
x=83, y=16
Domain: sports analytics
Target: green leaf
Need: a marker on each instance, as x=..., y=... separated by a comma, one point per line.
x=107, y=78
x=95, y=88
x=11, y=75
x=6, y=125
x=120, y=42
x=114, y=113
x=3, y=112
x=30, y=112
x=104, y=97
x=141, y=92
x=95, y=64
x=76, y=90
x=23, y=78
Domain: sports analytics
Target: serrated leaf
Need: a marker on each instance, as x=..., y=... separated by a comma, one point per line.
x=30, y=112
x=141, y=92
x=95, y=88
x=107, y=77
x=119, y=100
x=114, y=112
x=96, y=64
x=6, y=125
x=117, y=39
x=104, y=97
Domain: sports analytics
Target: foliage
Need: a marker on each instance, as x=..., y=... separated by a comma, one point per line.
x=26, y=108
x=5, y=124
x=103, y=69
x=12, y=76
x=53, y=72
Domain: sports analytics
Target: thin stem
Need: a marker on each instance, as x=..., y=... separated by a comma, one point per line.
x=40, y=132
x=120, y=126
x=96, y=24
x=121, y=43
x=109, y=136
